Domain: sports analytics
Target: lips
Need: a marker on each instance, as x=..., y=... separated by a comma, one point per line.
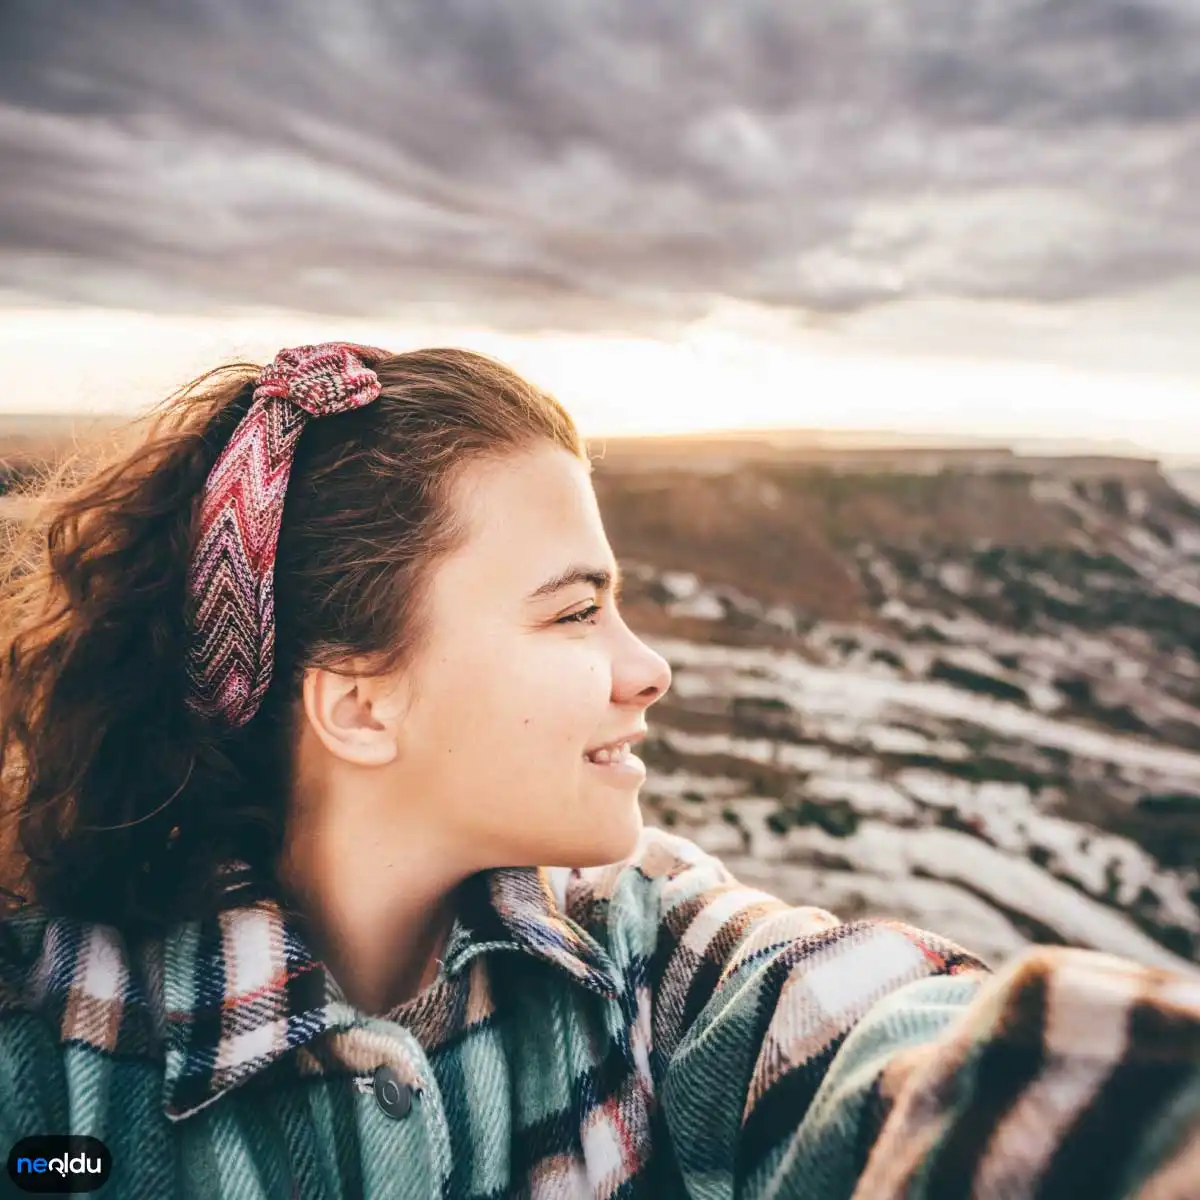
x=614, y=751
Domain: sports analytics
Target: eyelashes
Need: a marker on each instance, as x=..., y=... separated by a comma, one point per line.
x=582, y=617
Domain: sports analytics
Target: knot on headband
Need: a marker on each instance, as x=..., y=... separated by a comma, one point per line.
x=322, y=380
x=231, y=579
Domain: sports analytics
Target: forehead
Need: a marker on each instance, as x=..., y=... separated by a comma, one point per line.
x=527, y=514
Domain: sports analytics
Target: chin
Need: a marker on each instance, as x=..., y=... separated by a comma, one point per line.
x=607, y=842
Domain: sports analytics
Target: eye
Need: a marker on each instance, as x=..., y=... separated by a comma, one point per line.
x=583, y=616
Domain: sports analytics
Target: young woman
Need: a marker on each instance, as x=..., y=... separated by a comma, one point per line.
x=330, y=880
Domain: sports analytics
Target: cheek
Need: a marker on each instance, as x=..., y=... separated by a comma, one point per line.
x=550, y=696
x=565, y=701
x=513, y=699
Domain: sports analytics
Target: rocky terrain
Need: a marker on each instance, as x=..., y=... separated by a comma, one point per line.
x=963, y=690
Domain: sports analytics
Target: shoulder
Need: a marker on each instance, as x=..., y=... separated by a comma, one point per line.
x=77, y=982
x=78, y=1035
x=674, y=902
x=670, y=893
x=660, y=862
x=22, y=945
x=32, y=1098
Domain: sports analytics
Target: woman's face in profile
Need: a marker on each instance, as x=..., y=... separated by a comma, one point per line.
x=528, y=667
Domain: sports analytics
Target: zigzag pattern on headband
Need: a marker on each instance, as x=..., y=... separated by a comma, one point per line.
x=231, y=580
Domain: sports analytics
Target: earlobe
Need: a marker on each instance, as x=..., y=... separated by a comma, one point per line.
x=343, y=715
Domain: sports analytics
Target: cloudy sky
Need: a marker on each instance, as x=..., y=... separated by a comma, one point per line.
x=972, y=216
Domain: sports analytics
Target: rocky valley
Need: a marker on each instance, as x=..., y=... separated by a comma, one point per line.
x=961, y=689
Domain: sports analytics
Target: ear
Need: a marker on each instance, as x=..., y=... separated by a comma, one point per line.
x=356, y=717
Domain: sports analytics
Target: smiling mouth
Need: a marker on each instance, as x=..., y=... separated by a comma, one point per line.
x=608, y=755
x=618, y=753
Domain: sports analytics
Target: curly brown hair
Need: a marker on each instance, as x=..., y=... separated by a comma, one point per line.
x=118, y=803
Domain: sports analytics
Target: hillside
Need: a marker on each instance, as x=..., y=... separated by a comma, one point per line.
x=963, y=693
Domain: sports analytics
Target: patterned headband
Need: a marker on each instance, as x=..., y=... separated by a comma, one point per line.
x=231, y=580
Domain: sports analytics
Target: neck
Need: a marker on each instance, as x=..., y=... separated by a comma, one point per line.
x=378, y=918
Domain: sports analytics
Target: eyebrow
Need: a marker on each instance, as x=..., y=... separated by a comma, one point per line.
x=599, y=577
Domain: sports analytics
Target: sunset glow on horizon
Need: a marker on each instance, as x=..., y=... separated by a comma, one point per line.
x=714, y=377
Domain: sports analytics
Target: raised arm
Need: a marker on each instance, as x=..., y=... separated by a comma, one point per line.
x=796, y=1055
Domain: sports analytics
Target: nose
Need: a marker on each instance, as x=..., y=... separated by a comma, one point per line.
x=641, y=675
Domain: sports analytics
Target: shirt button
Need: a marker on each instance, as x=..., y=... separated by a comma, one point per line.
x=392, y=1094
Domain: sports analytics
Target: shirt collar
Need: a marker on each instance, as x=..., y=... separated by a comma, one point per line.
x=242, y=989
x=514, y=908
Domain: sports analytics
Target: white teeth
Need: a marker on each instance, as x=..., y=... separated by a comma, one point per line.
x=609, y=755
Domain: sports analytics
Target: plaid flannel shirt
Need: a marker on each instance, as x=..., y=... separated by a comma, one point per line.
x=649, y=1028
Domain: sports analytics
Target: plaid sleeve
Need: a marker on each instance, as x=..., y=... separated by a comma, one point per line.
x=797, y=1055
x=1072, y=1073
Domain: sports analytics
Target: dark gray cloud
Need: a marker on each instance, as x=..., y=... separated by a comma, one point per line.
x=594, y=164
